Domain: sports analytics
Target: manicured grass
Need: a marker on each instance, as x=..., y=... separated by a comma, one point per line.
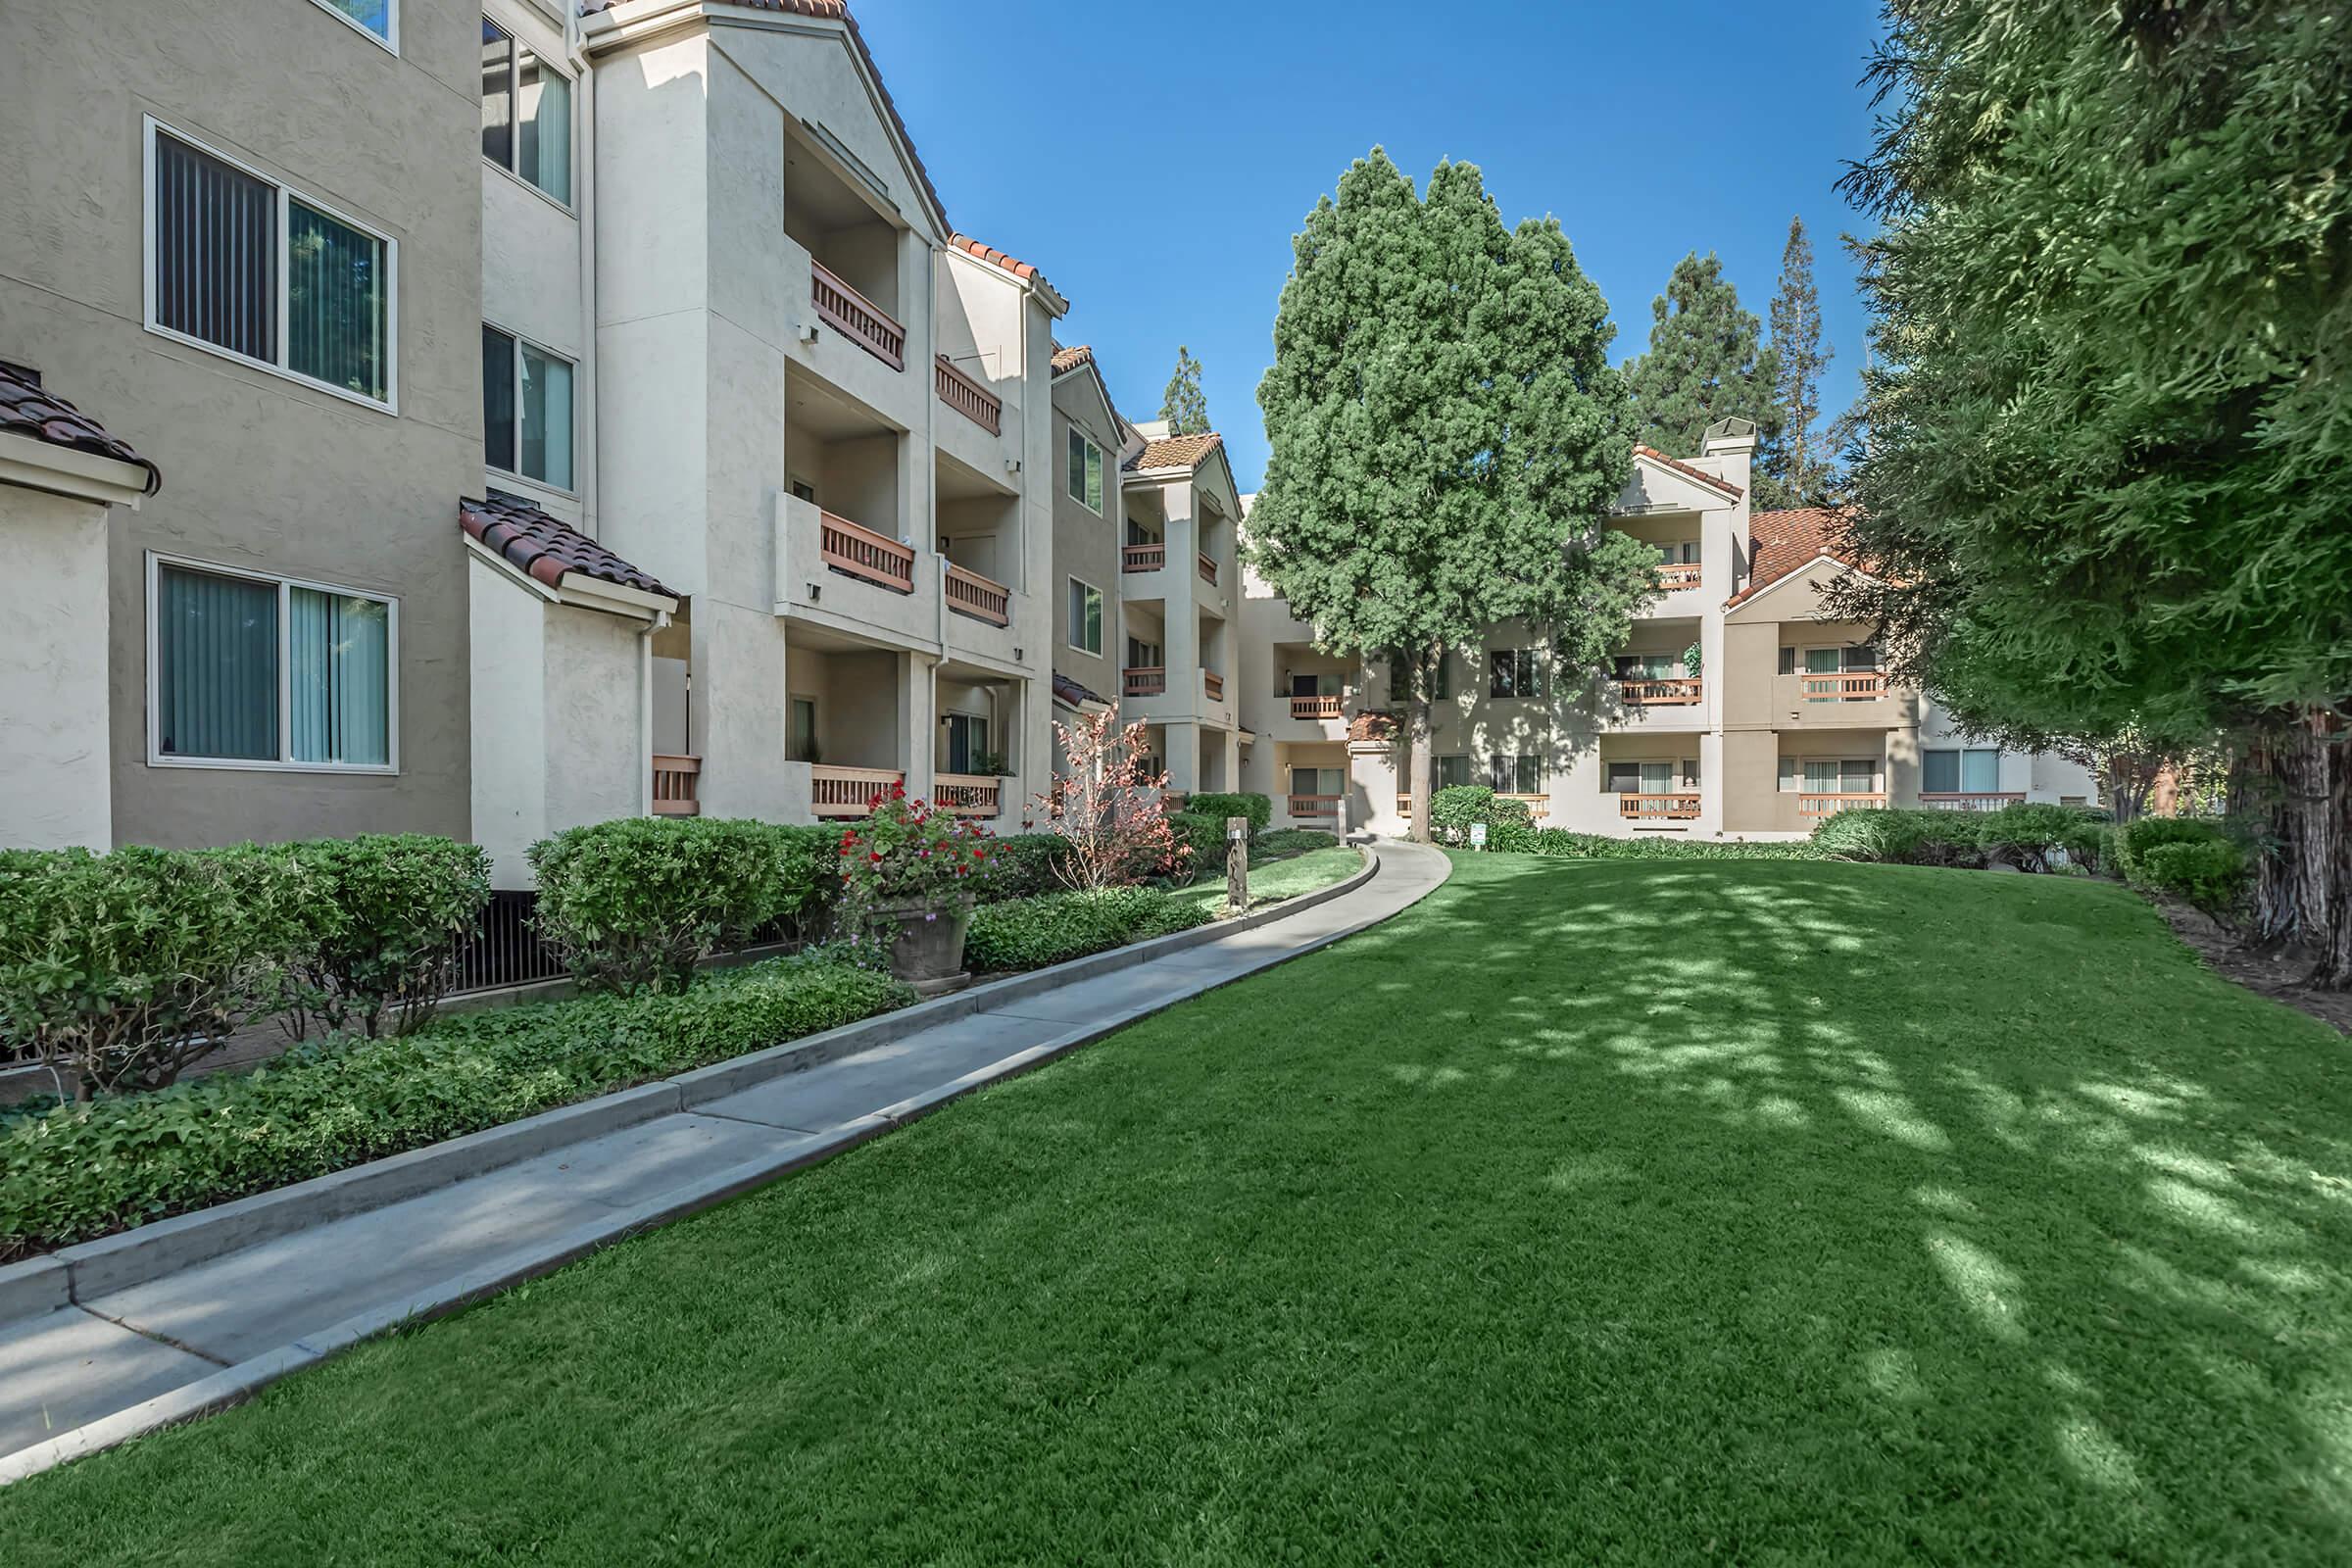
x=1626, y=1211
x=1280, y=879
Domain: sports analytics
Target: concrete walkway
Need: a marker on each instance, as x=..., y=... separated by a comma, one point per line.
x=77, y=1377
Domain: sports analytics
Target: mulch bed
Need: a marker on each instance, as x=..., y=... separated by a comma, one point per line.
x=2280, y=975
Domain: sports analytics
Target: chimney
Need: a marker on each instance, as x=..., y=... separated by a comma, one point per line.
x=1732, y=442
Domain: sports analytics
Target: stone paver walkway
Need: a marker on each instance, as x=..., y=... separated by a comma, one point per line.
x=170, y=1348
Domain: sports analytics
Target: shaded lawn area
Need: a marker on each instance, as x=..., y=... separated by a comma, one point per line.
x=1636, y=1212
x=1279, y=879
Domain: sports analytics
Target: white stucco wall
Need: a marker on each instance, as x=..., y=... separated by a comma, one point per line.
x=55, y=773
x=509, y=720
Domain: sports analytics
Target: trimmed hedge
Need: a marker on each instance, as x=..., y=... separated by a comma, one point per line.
x=1026, y=865
x=2135, y=838
x=1458, y=807
x=387, y=912
x=1258, y=809
x=1031, y=933
x=82, y=1171
x=2211, y=874
x=1562, y=844
x=1206, y=834
x=1899, y=836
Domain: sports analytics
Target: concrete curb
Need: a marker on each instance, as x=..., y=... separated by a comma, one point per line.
x=90, y=1269
x=236, y=1384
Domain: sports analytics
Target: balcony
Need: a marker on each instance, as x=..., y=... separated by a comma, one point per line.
x=1143, y=680
x=1315, y=707
x=1676, y=691
x=1682, y=806
x=676, y=783
x=1970, y=800
x=856, y=317
x=1314, y=805
x=863, y=554
x=1212, y=685
x=849, y=791
x=1143, y=557
x=968, y=795
x=1208, y=569
x=970, y=398
x=970, y=594
x=1815, y=806
x=1674, y=576
x=1850, y=686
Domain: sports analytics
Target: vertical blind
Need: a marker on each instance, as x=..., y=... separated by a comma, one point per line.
x=545, y=155
x=339, y=650
x=216, y=658
x=546, y=418
x=216, y=252
x=336, y=302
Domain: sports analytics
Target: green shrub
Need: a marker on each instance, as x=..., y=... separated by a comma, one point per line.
x=81, y=1171
x=118, y=971
x=1896, y=836
x=2089, y=845
x=1458, y=807
x=1031, y=933
x=2211, y=874
x=636, y=903
x=2138, y=838
x=2024, y=832
x=1288, y=840
x=386, y=912
x=1258, y=809
x=808, y=878
x=1206, y=834
x=1560, y=842
x=1026, y=865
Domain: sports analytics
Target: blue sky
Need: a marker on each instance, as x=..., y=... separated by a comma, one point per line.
x=1159, y=164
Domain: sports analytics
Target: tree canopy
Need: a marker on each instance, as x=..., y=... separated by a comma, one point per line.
x=1705, y=362
x=1182, y=406
x=1792, y=467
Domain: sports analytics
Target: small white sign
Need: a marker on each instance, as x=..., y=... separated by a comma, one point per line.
x=1478, y=834
x=1236, y=833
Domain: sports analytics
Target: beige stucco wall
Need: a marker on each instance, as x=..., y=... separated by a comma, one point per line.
x=1086, y=546
x=56, y=781
x=261, y=471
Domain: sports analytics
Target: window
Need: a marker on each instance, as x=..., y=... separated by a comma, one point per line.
x=1650, y=667
x=967, y=742
x=1086, y=474
x=1086, y=617
x=239, y=263
x=1854, y=658
x=1142, y=655
x=1515, y=775
x=1685, y=553
x=800, y=734
x=1328, y=782
x=1953, y=772
x=258, y=671
x=1452, y=772
x=1787, y=661
x=1649, y=778
x=526, y=408
x=378, y=18
x=1853, y=776
x=526, y=113
x=1512, y=672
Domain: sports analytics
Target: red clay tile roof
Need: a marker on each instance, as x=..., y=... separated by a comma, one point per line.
x=1785, y=542
x=1681, y=467
x=26, y=409
x=1176, y=452
x=1369, y=725
x=830, y=11
x=1067, y=360
x=548, y=548
x=1075, y=694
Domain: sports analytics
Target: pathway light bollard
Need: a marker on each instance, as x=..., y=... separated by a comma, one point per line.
x=1237, y=863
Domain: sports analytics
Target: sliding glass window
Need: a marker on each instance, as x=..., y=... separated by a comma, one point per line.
x=526, y=113
x=526, y=408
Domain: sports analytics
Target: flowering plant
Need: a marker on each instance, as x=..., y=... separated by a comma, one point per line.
x=1111, y=808
x=909, y=852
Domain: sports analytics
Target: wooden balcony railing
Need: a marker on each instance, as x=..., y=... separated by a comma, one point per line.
x=1314, y=805
x=1145, y=680
x=862, y=553
x=1674, y=575
x=848, y=791
x=1316, y=707
x=1832, y=805
x=968, y=793
x=1675, y=690
x=1855, y=686
x=856, y=317
x=1213, y=684
x=676, y=786
x=1535, y=803
x=1143, y=557
x=1677, y=808
x=970, y=594
x=1208, y=569
x=1405, y=807
x=970, y=399
x=1969, y=800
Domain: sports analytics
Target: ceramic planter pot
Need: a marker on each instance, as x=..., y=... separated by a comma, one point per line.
x=926, y=942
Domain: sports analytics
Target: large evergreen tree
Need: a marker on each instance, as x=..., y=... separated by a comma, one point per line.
x=2110, y=464
x=1705, y=362
x=1793, y=469
x=1447, y=434
x=1183, y=407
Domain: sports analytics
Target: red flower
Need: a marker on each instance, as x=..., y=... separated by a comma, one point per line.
x=876, y=858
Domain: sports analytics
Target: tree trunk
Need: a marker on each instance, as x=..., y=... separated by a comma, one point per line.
x=2335, y=968
x=1422, y=766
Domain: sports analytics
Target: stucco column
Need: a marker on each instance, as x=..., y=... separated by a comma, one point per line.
x=919, y=721
x=55, y=771
x=1183, y=748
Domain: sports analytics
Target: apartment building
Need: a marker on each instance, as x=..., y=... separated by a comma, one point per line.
x=1092, y=441
x=1179, y=582
x=210, y=256
x=1739, y=708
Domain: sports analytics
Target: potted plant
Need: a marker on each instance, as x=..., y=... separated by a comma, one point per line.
x=910, y=873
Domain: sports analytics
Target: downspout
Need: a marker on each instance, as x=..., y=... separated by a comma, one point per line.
x=644, y=711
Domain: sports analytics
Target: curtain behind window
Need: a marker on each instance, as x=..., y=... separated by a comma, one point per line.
x=546, y=418
x=216, y=252
x=215, y=666
x=545, y=158
x=334, y=302
x=339, y=677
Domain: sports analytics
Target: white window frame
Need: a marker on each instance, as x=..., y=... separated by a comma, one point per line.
x=389, y=39
x=1078, y=629
x=571, y=492
x=1094, y=454
x=515, y=147
x=283, y=195
x=157, y=756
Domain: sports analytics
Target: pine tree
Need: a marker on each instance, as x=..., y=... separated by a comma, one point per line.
x=1704, y=362
x=1792, y=467
x=1447, y=436
x=1183, y=407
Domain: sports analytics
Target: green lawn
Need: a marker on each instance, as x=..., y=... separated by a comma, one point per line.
x=1626, y=1211
x=1280, y=879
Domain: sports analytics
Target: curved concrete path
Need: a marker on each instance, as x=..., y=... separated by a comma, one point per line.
x=80, y=1378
